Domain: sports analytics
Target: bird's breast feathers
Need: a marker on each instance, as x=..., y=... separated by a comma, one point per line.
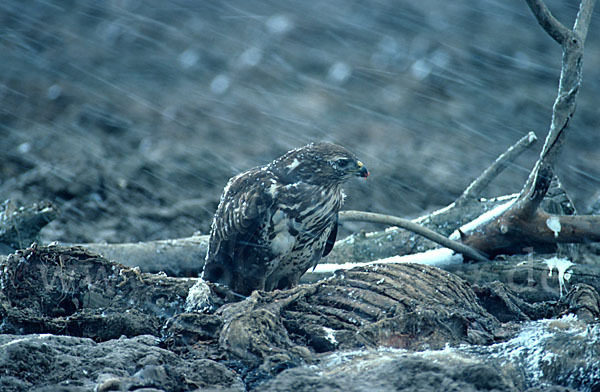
x=301, y=218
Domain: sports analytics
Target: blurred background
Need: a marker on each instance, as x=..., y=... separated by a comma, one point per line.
x=131, y=115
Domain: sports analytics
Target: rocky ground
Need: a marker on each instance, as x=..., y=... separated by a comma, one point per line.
x=130, y=117
x=74, y=321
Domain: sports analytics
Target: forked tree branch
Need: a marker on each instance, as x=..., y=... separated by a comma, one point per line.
x=548, y=22
x=524, y=224
x=568, y=88
x=513, y=231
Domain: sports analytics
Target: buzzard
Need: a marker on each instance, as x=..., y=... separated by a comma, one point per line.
x=275, y=222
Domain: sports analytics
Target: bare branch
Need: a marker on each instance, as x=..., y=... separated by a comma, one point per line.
x=548, y=22
x=584, y=17
x=514, y=233
x=474, y=190
x=469, y=252
x=530, y=202
x=569, y=84
x=522, y=225
x=549, y=229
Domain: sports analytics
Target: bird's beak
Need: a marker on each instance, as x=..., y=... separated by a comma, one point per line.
x=361, y=170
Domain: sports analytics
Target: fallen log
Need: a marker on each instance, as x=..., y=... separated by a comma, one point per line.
x=176, y=257
x=185, y=256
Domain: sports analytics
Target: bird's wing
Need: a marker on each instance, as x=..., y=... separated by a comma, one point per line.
x=332, y=237
x=242, y=208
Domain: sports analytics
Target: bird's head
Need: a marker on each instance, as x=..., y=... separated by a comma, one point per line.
x=320, y=164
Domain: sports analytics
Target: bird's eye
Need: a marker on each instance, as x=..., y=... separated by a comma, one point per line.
x=343, y=163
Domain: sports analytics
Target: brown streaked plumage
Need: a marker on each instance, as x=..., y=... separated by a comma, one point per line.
x=275, y=222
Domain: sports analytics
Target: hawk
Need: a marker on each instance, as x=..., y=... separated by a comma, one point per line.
x=275, y=222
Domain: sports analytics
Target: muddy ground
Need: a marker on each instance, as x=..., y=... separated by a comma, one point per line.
x=131, y=116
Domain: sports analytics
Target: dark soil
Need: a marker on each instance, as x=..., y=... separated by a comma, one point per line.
x=131, y=116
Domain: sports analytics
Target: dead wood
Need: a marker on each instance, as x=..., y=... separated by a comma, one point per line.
x=523, y=225
x=462, y=205
x=475, y=189
x=393, y=241
x=185, y=256
x=176, y=257
x=415, y=228
x=518, y=232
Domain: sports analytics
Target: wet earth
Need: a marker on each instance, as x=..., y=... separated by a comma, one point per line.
x=130, y=116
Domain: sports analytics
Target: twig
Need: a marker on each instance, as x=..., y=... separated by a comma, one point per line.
x=476, y=187
x=548, y=22
x=408, y=225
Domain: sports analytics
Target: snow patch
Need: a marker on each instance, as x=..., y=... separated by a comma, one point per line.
x=294, y=164
x=553, y=224
x=533, y=350
x=330, y=335
x=561, y=265
x=532, y=138
x=448, y=354
x=482, y=219
x=198, y=299
x=434, y=257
